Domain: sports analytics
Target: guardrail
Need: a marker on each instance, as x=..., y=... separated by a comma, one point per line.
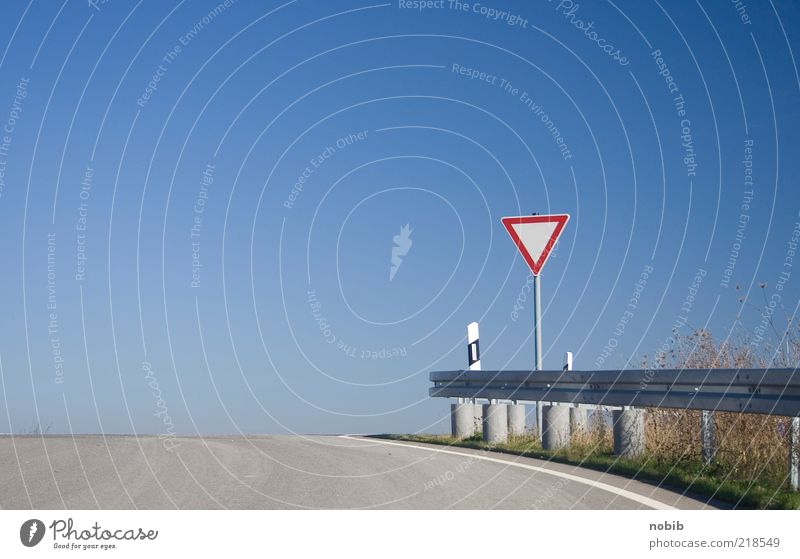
x=765, y=391
x=761, y=391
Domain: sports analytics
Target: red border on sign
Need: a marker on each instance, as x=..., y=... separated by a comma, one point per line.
x=560, y=219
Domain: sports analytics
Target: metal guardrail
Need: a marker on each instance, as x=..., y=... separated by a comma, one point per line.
x=764, y=391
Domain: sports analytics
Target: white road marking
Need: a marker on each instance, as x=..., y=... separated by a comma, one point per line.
x=641, y=499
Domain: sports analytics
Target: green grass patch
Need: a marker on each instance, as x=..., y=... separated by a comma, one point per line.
x=690, y=476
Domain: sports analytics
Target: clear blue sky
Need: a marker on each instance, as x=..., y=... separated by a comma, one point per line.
x=218, y=187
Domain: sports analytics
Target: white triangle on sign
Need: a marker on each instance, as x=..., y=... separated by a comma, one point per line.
x=535, y=236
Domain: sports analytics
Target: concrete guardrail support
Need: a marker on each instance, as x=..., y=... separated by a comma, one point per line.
x=628, y=431
x=477, y=411
x=462, y=419
x=555, y=427
x=495, y=423
x=516, y=420
x=578, y=420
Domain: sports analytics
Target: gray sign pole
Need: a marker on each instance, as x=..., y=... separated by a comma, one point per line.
x=537, y=340
x=537, y=321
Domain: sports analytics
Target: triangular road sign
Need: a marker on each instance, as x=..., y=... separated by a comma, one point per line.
x=535, y=236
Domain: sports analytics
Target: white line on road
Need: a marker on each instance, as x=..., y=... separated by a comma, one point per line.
x=646, y=501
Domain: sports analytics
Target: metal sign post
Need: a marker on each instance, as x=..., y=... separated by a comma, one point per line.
x=537, y=342
x=537, y=321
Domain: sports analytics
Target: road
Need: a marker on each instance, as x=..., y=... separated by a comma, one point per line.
x=271, y=472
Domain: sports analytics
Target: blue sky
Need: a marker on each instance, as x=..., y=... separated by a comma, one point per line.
x=199, y=200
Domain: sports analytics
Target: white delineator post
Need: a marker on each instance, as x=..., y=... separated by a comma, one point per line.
x=473, y=347
x=474, y=364
x=578, y=416
x=463, y=420
x=567, y=361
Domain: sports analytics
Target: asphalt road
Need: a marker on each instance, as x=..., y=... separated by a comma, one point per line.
x=268, y=472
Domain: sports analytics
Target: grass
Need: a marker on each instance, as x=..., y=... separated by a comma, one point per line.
x=688, y=476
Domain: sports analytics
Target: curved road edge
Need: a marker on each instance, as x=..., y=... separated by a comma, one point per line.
x=590, y=477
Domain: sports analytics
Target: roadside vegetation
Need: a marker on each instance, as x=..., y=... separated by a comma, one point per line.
x=750, y=467
x=36, y=429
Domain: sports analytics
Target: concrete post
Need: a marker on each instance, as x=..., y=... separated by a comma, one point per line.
x=628, y=431
x=794, y=453
x=462, y=420
x=495, y=423
x=477, y=414
x=578, y=420
x=516, y=420
x=708, y=437
x=555, y=427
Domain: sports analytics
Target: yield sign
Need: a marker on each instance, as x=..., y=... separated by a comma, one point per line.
x=535, y=236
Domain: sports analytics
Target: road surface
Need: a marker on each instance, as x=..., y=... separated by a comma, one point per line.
x=270, y=472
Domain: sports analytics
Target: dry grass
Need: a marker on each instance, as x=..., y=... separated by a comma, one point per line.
x=750, y=448
x=597, y=438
